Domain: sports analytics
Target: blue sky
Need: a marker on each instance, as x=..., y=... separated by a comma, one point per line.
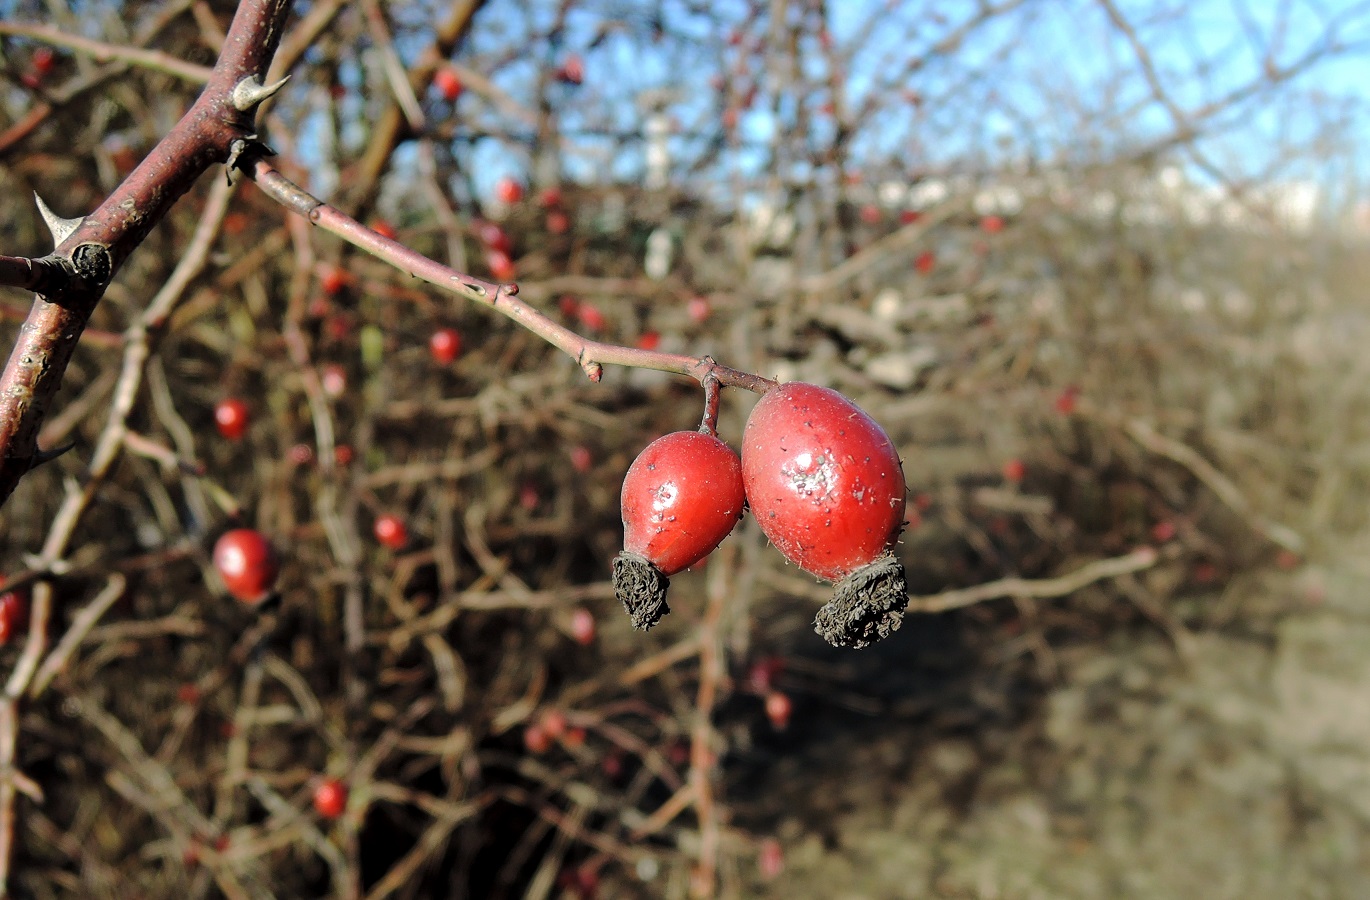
x=1051, y=81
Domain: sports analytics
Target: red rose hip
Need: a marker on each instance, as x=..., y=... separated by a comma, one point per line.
x=445, y=345
x=330, y=798
x=247, y=564
x=390, y=531
x=231, y=418
x=681, y=498
x=14, y=613
x=826, y=486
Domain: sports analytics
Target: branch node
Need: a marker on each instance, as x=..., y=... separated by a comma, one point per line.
x=61, y=228
x=243, y=151
x=93, y=263
x=250, y=91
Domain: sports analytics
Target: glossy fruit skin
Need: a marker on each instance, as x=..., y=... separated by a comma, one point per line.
x=445, y=346
x=823, y=479
x=231, y=418
x=681, y=498
x=247, y=564
x=330, y=798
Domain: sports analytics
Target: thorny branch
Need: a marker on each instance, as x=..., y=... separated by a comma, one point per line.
x=104, y=239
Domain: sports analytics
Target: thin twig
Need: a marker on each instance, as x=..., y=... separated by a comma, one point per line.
x=85, y=620
x=592, y=356
x=103, y=52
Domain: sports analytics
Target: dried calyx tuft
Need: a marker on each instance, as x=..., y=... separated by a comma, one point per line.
x=867, y=605
x=641, y=587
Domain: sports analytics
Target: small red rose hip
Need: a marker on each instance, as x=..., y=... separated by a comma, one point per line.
x=572, y=71
x=770, y=859
x=333, y=379
x=826, y=486
x=231, y=418
x=445, y=345
x=779, y=708
x=536, y=740
x=14, y=613
x=582, y=460
x=500, y=265
x=448, y=84
x=583, y=626
x=698, y=309
x=558, y=222
x=330, y=798
x=494, y=237
x=390, y=530
x=333, y=280
x=508, y=190
x=247, y=564
x=681, y=498
x=590, y=316
x=43, y=60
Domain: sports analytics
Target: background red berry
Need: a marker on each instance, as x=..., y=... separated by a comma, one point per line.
x=247, y=563
x=583, y=626
x=536, y=739
x=330, y=798
x=590, y=316
x=778, y=710
x=231, y=417
x=333, y=281
x=333, y=378
x=43, y=60
x=14, y=613
x=493, y=237
x=770, y=859
x=390, y=531
x=508, y=190
x=572, y=70
x=500, y=265
x=558, y=222
x=448, y=84
x=698, y=310
x=445, y=345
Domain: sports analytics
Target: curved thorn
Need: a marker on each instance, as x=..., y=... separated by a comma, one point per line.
x=250, y=91
x=61, y=228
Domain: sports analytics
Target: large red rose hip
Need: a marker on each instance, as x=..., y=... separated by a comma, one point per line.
x=826, y=486
x=681, y=498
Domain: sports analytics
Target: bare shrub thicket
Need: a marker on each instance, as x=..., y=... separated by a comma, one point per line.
x=1074, y=261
